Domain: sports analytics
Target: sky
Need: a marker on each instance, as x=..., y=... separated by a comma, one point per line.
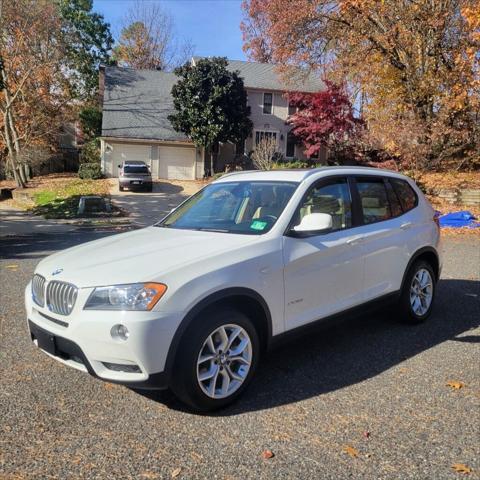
x=212, y=26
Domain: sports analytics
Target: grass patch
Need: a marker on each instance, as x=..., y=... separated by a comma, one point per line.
x=59, y=198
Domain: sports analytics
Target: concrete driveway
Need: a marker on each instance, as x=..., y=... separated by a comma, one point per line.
x=146, y=208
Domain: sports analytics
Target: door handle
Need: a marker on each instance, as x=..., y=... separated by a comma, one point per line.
x=406, y=225
x=354, y=241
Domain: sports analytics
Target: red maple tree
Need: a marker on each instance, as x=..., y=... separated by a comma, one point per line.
x=324, y=119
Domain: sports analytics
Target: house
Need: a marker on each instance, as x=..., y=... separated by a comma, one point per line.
x=137, y=103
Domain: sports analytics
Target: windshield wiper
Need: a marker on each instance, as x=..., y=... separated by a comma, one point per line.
x=220, y=230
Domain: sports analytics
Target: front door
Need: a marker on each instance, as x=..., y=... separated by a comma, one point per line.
x=323, y=273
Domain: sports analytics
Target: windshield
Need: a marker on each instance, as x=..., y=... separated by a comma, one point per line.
x=136, y=170
x=233, y=207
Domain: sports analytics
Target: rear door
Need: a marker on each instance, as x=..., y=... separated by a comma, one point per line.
x=384, y=235
x=323, y=273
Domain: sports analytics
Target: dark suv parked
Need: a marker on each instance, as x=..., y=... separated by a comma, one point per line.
x=134, y=175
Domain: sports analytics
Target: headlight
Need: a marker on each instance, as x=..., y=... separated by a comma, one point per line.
x=134, y=296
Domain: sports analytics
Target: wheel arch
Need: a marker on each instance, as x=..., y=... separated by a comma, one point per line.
x=430, y=255
x=246, y=300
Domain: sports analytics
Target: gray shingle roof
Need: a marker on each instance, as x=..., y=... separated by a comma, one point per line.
x=264, y=76
x=136, y=103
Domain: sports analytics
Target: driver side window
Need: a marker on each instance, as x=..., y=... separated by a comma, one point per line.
x=332, y=198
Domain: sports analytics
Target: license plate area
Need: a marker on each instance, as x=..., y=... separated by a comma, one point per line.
x=46, y=342
x=135, y=182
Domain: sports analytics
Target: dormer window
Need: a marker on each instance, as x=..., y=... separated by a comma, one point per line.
x=267, y=103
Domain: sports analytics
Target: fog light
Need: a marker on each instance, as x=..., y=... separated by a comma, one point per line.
x=117, y=367
x=119, y=332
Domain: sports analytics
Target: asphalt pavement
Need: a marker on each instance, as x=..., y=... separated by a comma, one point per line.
x=367, y=398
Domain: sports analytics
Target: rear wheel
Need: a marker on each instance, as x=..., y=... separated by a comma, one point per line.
x=217, y=359
x=416, y=301
x=120, y=188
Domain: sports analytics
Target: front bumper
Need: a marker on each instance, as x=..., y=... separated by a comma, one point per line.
x=83, y=341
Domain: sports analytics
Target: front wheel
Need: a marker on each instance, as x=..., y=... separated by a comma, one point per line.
x=416, y=300
x=217, y=359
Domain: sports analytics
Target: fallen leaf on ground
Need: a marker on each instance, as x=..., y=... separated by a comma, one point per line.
x=267, y=454
x=353, y=452
x=461, y=468
x=176, y=472
x=149, y=475
x=455, y=385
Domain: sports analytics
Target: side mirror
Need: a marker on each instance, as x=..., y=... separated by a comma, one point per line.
x=313, y=223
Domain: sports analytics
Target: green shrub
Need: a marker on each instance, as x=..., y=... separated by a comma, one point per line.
x=296, y=163
x=91, y=152
x=91, y=171
x=91, y=121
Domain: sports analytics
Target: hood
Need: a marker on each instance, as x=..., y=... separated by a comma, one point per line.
x=138, y=256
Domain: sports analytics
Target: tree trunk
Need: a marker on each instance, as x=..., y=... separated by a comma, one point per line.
x=11, y=136
x=12, y=154
x=208, y=152
x=17, y=179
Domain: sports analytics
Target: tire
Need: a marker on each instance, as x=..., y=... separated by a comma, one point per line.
x=416, y=298
x=120, y=188
x=187, y=372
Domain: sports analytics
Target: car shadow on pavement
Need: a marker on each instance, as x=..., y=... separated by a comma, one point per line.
x=352, y=351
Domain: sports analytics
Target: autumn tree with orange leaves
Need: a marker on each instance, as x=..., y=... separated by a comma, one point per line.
x=47, y=68
x=415, y=64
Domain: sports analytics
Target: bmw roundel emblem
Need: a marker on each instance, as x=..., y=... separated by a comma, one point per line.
x=57, y=271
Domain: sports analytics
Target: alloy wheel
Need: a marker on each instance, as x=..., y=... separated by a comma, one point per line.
x=224, y=361
x=421, y=292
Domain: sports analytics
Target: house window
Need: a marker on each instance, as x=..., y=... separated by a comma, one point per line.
x=292, y=109
x=267, y=103
x=290, y=145
x=261, y=134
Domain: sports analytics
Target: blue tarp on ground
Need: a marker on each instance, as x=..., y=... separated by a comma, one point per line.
x=459, y=220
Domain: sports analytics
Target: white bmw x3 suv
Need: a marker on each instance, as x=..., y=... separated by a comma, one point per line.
x=191, y=302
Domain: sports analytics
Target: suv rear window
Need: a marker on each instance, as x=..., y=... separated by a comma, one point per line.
x=135, y=169
x=405, y=193
x=374, y=200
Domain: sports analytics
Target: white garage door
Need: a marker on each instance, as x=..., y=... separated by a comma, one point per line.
x=177, y=163
x=122, y=153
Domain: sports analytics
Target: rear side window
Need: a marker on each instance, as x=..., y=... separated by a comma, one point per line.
x=394, y=201
x=373, y=200
x=405, y=193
